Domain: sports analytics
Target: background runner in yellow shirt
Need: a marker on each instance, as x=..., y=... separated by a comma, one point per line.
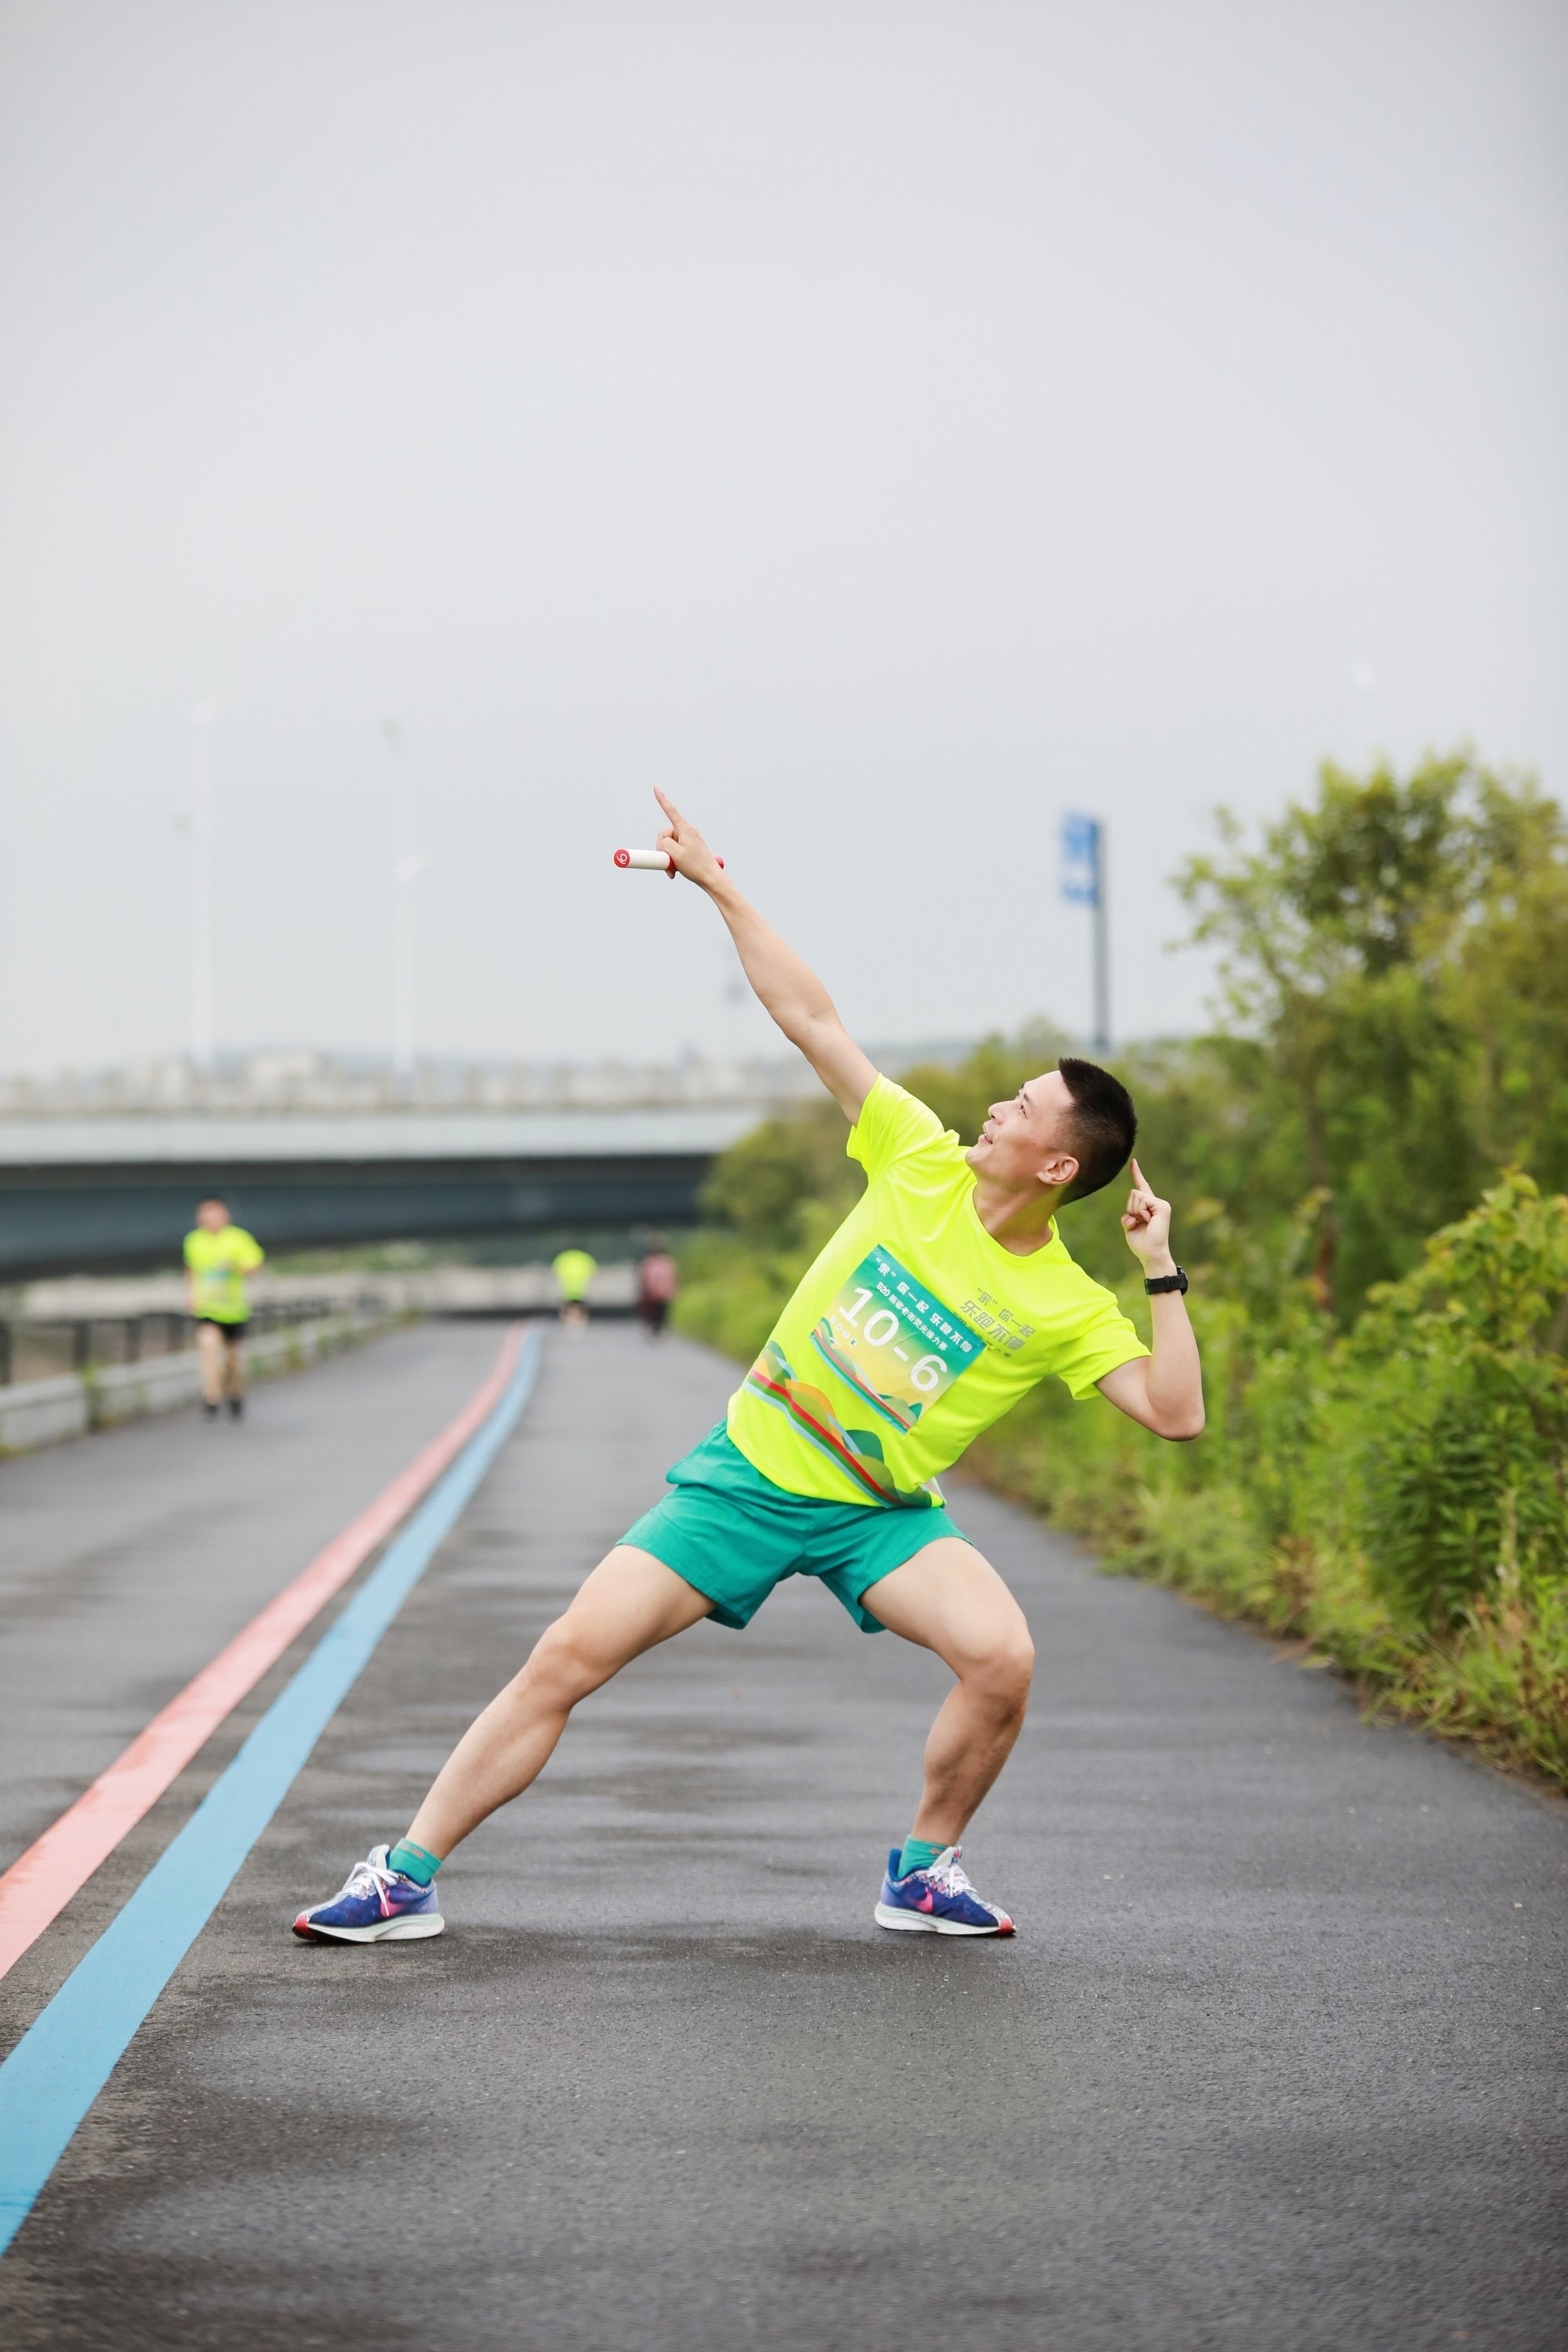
x=218, y=1256
x=945, y=1293
x=574, y=1270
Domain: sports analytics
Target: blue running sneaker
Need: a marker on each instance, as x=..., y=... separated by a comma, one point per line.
x=938, y=1900
x=377, y=1906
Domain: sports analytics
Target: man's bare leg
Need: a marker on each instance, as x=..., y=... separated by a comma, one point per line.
x=629, y=1604
x=209, y=1355
x=949, y=1599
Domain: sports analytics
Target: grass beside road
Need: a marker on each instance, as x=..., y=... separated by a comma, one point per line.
x=1392, y=1495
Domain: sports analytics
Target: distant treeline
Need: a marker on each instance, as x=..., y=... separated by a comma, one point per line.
x=1367, y=1157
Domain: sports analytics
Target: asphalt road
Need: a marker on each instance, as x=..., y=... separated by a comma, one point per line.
x=128, y=1558
x=1274, y=2062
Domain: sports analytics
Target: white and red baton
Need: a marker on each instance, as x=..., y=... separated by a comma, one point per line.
x=649, y=861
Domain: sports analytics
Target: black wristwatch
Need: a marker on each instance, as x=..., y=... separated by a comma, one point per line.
x=1163, y=1282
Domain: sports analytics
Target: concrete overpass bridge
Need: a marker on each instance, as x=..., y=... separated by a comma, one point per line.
x=112, y=1192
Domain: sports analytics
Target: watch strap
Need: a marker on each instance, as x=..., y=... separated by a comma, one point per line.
x=1156, y=1284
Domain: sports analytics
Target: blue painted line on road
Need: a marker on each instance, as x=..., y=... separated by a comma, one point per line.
x=63, y=2061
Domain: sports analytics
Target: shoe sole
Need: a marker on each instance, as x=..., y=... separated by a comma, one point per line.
x=922, y=1923
x=390, y=1931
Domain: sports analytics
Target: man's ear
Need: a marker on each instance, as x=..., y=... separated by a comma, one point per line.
x=1058, y=1171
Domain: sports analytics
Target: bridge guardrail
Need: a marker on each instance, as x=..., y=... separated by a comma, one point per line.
x=29, y=1342
x=420, y=1290
x=69, y=1404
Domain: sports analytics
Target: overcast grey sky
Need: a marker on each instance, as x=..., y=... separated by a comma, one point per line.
x=884, y=425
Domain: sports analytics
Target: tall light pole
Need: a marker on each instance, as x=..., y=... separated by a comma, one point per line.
x=1102, y=942
x=406, y=864
x=1084, y=884
x=202, y=719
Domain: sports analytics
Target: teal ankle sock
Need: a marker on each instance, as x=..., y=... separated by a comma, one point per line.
x=919, y=1854
x=413, y=1861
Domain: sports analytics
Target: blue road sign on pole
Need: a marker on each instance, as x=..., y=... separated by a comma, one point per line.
x=1083, y=884
x=1080, y=859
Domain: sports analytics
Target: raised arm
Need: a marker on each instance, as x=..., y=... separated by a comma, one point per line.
x=786, y=988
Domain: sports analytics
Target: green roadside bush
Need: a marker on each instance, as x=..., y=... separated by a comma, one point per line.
x=1463, y=1470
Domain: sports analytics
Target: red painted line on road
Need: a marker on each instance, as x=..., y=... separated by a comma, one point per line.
x=41, y=1881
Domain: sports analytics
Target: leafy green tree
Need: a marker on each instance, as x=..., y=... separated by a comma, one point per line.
x=1390, y=949
x=760, y=1186
x=1507, y=986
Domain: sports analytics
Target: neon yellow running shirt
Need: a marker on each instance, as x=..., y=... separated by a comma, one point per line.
x=914, y=1330
x=573, y=1271
x=218, y=1265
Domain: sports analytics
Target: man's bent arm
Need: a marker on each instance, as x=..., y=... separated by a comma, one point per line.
x=1164, y=1391
x=786, y=986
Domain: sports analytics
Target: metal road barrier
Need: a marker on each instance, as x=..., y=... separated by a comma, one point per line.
x=89, y=1351
x=96, y=1335
x=99, y=1396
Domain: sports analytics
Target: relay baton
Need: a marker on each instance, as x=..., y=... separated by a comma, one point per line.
x=648, y=861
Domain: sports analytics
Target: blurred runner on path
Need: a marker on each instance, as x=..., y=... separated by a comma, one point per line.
x=218, y=1256
x=574, y=1270
x=659, y=1279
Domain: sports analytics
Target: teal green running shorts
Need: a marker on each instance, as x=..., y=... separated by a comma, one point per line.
x=734, y=1535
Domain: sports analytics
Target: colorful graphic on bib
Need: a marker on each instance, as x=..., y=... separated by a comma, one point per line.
x=857, y=1451
x=896, y=1346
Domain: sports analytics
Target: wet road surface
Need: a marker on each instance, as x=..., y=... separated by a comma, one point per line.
x=1275, y=2061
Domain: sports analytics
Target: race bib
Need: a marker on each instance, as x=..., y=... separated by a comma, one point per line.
x=897, y=1346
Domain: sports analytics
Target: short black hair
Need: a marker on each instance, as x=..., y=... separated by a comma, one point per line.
x=1104, y=1125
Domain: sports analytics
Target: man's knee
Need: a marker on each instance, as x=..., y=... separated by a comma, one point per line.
x=563, y=1664
x=1006, y=1666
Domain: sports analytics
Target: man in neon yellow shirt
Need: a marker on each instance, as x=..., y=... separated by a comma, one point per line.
x=946, y=1293
x=574, y=1270
x=218, y=1256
